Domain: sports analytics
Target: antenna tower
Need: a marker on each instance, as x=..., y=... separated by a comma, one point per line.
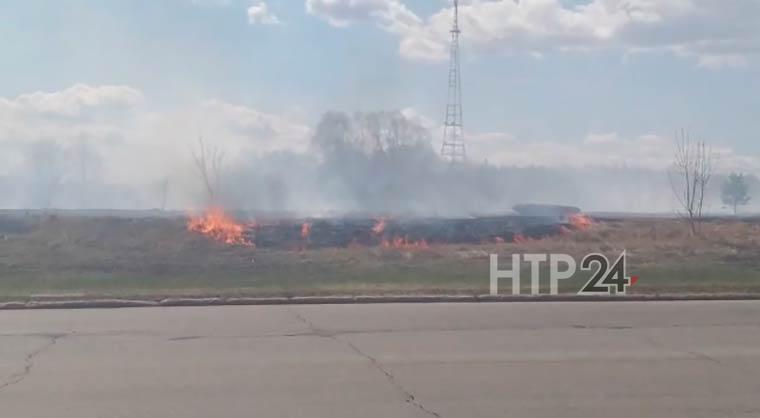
x=453, y=148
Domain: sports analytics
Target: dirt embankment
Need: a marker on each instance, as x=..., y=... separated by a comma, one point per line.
x=147, y=255
x=161, y=244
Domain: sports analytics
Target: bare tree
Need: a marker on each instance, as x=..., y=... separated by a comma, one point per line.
x=88, y=165
x=164, y=190
x=208, y=162
x=692, y=170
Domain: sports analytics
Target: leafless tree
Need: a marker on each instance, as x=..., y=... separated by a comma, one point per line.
x=208, y=162
x=691, y=173
x=88, y=164
x=164, y=190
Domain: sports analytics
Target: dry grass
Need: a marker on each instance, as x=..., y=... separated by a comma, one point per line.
x=153, y=256
x=660, y=241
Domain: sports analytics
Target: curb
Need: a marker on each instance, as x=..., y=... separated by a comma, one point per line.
x=361, y=299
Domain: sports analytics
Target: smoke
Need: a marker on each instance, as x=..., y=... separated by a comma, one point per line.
x=384, y=163
x=55, y=175
x=381, y=163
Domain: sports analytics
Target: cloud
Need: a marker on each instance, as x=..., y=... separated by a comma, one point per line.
x=116, y=121
x=138, y=146
x=649, y=151
x=420, y=119
x=73, y=101
x=714, y=33
x=392, y=15
x=254, y=129
x=596, y=150
x=716, y=62
x=77, y=113
x=134, y=147
x=259, y=13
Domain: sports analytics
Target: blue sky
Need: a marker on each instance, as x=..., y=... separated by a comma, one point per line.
x=536, y=72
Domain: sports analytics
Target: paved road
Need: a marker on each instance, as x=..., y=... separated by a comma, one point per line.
x=687, y=359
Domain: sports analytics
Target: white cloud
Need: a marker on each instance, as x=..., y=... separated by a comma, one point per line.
x=254, y=129
x=610, y=150
x=716, y=62
x=596, y=150
x=412, y=114
x=77, y=113
x=715, y=33
x=391, y=14
x=138, y=146
x=73, y=101
x=258, y=13
x=114, y=120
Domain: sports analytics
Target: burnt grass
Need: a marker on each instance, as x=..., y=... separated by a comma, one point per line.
x=50, y=256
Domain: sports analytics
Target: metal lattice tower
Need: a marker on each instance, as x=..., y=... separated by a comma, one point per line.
x=453, y=148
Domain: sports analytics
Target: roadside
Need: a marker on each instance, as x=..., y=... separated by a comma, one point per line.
x=157, y=259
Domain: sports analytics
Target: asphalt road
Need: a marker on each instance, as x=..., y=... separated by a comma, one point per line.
x=655, y=359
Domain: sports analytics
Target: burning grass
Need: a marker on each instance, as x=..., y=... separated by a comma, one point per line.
x=216, y=224
x=168, y=257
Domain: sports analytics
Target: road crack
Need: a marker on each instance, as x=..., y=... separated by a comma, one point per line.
x=29, y=359
x=693, y=353
x=408, y=396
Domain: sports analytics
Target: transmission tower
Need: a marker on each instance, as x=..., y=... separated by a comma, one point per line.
x=453, y=148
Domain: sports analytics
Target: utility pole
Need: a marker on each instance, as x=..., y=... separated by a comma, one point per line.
x=453, y=148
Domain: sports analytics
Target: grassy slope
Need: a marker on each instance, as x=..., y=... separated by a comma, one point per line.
x=157, y=257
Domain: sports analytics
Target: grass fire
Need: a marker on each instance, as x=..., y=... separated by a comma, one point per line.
x=217, y=225
x=403, y=233
x=212, y=253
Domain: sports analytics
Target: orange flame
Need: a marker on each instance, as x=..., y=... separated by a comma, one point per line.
x=580, y=221
x=405, y=243
x=306, y=230
x=219, y=226
x=379, y=227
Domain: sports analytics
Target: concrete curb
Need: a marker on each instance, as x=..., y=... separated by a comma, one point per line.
x=361, y=299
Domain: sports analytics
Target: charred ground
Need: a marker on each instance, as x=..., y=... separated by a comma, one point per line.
x=43, y=255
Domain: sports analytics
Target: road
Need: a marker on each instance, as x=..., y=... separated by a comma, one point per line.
x=648, y=359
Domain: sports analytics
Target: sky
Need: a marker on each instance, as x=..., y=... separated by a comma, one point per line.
x=545, y=82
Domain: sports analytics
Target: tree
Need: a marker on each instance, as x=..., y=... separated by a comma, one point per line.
x=164, y=191
x=735, y=191
x=378, y=161
x=691, y=173
x=87, y=165
x=208, y=162
x=368, y=133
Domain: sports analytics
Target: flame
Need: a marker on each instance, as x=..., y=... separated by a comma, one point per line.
x=397, y=242
x=580, y=221
x=219, y=226
x=405, y=243
x=379, y=227
x=306, y=230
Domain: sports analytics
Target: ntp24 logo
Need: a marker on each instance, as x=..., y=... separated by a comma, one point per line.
x=607, y=278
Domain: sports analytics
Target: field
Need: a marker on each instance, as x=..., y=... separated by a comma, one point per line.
x=60, y=256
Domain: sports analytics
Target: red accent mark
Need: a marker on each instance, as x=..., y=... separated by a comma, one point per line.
x=634, y=279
